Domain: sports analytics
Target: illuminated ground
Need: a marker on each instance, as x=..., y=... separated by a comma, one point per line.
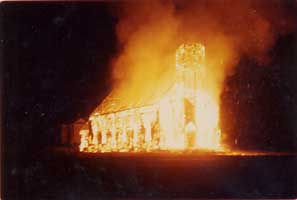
x=66, y=175
x=192, y=154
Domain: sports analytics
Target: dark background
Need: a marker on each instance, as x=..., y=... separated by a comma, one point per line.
x=56, y=69
x=259, y=103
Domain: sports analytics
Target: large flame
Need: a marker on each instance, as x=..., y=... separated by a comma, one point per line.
x=180, y=113
x=207, y=118
x=142, y=113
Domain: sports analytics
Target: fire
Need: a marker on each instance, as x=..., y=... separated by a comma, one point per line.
x=207, y=117
x=178, y=114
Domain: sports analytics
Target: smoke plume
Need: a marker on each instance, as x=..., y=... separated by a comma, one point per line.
x=149, y=32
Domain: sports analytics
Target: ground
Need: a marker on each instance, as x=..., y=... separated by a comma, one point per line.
x=69, y=175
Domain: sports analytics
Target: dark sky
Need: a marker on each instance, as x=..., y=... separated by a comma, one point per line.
x=56, y=59
x=55, y=66
x=259, y=103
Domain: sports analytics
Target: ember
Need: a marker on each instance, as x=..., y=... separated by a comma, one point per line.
x=182, y=116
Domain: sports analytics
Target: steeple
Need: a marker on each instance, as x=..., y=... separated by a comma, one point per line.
x=190, y=59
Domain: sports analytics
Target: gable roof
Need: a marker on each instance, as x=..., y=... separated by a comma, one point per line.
x=136, y=95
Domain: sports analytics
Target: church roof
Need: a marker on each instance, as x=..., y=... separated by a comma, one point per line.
x=136, y=95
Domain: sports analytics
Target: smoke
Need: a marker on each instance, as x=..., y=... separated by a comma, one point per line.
x=149, y=32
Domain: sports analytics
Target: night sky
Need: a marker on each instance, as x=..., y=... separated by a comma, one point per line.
x=56, y=69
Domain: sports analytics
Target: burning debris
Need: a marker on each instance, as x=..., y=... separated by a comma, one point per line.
x=178, y=114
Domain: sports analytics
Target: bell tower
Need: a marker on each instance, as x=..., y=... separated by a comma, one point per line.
x=190, y=59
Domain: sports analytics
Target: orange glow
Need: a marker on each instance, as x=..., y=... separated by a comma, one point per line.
x=159, y=102
x=207, y=118
x=177, y=114
x=84, y=140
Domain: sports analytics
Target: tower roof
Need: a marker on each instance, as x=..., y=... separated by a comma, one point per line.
x=190, y=55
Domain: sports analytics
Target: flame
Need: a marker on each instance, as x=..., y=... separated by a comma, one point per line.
x=179, y=114
x=83, y=140
x=142, y=113
x=207, y=118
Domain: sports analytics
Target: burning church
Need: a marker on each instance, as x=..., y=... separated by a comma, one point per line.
x=178, y=114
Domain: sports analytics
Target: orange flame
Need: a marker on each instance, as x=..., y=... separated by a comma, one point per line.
x=184, y=116
x=143, y=113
